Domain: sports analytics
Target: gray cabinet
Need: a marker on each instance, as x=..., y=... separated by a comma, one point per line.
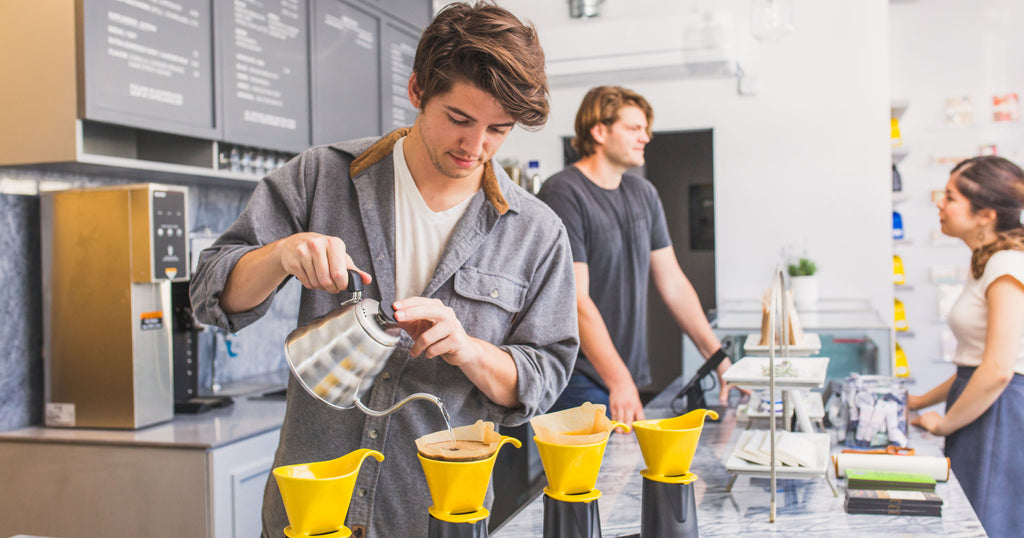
x=238, y=474
x=398, y=50
x=149, y=67
x=262, y=51
x=160, y=90
x=345, y=50
x=59, y=488
x=415, y=12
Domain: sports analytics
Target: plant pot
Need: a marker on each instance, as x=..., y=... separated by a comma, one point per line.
x=805, y=290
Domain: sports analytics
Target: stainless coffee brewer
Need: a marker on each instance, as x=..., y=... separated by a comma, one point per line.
x=109, y=256
x=336, y=357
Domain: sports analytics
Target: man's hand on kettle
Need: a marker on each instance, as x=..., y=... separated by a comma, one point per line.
x=435, y=330
x=318, y=261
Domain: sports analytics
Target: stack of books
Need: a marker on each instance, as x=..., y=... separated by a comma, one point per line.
x=892, y=493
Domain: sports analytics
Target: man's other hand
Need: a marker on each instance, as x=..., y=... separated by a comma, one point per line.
x=435, y=330
x=624, y=403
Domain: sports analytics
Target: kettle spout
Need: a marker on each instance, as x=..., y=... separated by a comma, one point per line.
x=417, y=396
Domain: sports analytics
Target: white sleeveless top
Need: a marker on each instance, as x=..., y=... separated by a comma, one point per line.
x=968, y=319
x=421, y=235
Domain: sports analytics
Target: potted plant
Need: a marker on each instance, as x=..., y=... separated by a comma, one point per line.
x=803, y=281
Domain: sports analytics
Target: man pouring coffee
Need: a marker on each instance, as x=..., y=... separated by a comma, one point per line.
x=479, y=273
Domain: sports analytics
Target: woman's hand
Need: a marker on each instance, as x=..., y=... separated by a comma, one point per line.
x=931, y=421
x=915, y=402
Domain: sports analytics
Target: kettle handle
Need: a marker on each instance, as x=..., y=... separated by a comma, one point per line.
x=355, y=281
x=385, y=314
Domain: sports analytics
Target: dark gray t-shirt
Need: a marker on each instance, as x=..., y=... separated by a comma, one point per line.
x=613, y=232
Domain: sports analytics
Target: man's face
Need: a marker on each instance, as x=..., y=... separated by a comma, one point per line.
x=461, y=129
x=625, y=140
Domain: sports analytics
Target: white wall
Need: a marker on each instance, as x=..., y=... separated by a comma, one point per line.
x=804, y=163
x=942, y=49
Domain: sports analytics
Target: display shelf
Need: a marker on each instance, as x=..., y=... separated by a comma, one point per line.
x=812, y=403
x=905, y=334
x=749, y=372
x=810, y=372
x=820, y=441
x=899, y=153
x=810, y=346
x=902, y=242
x=897, y=107
x=903, y=287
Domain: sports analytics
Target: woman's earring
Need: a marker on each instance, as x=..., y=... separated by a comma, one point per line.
x=981, y=236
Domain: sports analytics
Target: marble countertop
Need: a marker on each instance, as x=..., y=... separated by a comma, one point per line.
x=803, y=507
x=246, y=417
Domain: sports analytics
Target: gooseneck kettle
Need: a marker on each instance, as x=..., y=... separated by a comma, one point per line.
x=337, y=356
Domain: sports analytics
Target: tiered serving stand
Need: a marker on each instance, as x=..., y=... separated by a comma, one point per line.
x=747, y=373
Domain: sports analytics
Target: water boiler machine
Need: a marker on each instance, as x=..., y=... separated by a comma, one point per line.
x=109, y=255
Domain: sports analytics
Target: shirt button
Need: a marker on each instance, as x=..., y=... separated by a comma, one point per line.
x=385, y=376
x=494, y=294
x=362, y=492
x=373, y=434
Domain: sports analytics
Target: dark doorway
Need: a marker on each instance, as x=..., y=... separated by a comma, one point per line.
x=680, y=164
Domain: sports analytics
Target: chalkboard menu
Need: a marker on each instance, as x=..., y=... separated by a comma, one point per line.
x=163, y=78
x=346, y=72
x=398, y=50
x=149, y=64
x=262, y=50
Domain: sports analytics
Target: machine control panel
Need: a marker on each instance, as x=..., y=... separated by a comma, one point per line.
x=169, y=235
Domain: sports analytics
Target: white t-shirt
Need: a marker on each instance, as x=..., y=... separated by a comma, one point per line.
x=968, y=319
x=421, y=235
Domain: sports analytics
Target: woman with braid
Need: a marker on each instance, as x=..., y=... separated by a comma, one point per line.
x=984, y=420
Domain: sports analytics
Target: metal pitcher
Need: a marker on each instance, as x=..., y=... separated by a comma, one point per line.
x=337, y=356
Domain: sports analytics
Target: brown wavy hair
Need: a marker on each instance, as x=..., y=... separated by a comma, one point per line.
x=602, y=105
x=488, y=47
x=992, y=182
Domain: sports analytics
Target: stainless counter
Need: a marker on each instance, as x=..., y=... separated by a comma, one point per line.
x=804, y=507
x=245, y=418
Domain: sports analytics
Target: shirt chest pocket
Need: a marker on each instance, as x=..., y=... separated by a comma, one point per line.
x=487, y=304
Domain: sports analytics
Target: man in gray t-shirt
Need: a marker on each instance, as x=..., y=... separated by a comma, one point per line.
x=616, y=226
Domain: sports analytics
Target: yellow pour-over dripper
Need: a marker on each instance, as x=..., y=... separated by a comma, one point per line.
x=316, y=495
x=572, y=470
x=669, y=444
x=458, y=488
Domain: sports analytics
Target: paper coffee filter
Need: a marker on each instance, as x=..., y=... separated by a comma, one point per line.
x=482, y=432
x=583, y=425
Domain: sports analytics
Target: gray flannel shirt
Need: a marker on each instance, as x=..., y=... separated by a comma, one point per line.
x=507, y=274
